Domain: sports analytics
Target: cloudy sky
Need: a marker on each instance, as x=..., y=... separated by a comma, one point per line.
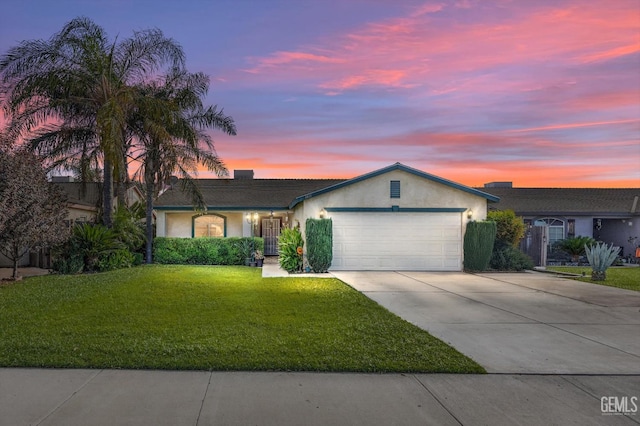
x=541, y=93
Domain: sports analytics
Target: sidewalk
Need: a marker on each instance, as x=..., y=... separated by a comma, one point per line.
x=123, y=397
x=22, y=272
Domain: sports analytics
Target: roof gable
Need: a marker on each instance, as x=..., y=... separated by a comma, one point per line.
x=393, y=167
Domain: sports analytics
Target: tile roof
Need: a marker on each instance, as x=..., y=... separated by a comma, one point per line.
x=245, y=193
x=578, y=201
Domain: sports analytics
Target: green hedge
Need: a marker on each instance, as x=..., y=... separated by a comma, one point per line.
x=478, y=245
x=204, y=251
x=319, y=234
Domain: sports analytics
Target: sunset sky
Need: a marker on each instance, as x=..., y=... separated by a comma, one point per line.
x=541, y=93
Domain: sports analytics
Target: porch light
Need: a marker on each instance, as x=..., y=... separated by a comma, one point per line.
x=469, y=213
x=323, y=213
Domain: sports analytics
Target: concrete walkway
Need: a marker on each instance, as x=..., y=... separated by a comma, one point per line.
x=532, y=323
x=121, y=397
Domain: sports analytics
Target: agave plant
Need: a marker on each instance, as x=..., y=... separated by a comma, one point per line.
x=600, y=257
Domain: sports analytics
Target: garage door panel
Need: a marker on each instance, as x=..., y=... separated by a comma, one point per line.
x=397, y=241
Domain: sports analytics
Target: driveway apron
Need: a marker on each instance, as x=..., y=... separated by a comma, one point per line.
x=520, y=323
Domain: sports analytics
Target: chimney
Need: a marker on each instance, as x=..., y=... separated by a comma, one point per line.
x=499, y=185
x=243, y=174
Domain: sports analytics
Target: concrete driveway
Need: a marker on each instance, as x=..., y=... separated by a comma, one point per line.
x=516, y=322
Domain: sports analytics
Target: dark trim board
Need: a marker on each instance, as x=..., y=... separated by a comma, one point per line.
x=231, y=209
x=396, y=209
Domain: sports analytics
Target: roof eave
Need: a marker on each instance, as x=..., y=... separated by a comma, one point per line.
x=396, y=166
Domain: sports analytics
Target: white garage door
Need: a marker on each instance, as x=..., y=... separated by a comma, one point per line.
x=397, y=241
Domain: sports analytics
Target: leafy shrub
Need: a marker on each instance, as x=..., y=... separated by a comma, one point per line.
x=290, y=249
x=575, y=247
x=203, y=251
x=506, y=257
x=93, y=242
x=478, y=245
x=117, y=259
x=68, y=264
x=246, y=248
x=600, y=257
x=89, y=247
x=319, y=244
x=129, y=227
x=138, y=259
x=509, y=228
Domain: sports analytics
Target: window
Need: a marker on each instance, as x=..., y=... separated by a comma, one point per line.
x=209, y=225
x=556, y=228
x=395, y=189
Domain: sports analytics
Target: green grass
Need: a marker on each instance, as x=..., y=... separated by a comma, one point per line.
x=210, y=318
x=621, y=277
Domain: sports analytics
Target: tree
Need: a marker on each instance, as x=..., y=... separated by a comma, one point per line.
x=509, y=228
x=509, y=231
x=32, y=210
x=169, y=129
x=74, y=92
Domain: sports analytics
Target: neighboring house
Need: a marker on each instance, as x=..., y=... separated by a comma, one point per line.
x=83, y=201
x=395, y=218
x=606, y=214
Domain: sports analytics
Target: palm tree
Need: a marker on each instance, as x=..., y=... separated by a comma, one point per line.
x=169, y=136
x=74, y=93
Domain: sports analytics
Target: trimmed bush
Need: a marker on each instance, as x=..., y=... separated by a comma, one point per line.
x=290, y=249
x=319, y=234
x=508, y=258
x=117, y=259
x=203, y=251
x=478, y=245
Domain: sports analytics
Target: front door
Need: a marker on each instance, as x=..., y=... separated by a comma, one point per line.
x=270, y=234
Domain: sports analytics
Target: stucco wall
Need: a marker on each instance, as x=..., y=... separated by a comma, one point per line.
x=416, y=192
x=179, y=224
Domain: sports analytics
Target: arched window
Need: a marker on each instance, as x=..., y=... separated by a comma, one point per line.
x=556, y=228
x=209, y=225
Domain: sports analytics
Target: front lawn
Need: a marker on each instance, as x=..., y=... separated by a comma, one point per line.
x=210, y=318
x=617, y=276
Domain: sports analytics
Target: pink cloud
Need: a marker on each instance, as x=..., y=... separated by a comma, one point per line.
x=423, y=48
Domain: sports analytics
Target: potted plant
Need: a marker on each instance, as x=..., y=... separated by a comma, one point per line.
x=259, y=257
x=245, y=248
